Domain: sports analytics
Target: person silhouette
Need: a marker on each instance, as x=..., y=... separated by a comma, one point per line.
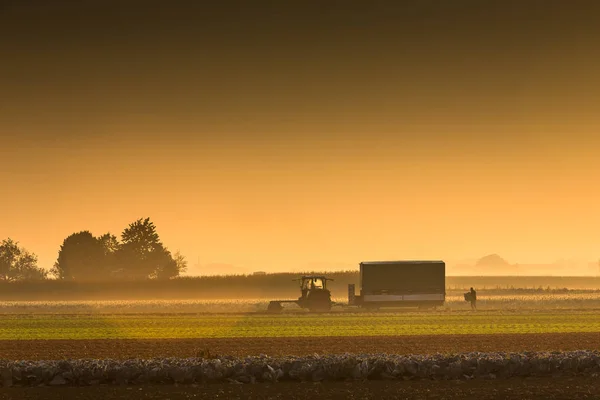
x=473, y=299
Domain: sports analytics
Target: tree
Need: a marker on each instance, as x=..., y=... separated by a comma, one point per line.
x=16, y=263
x=166, y=267
x=139, y=255
x=180, y=262
x=110, y=243
x=142, y=254
x=172, y=267
x=82, y=257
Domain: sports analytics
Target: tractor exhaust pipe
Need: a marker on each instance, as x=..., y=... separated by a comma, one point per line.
x=351, y=294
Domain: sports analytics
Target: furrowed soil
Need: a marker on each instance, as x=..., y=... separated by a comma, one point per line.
x=299, y=346
x=530, y=388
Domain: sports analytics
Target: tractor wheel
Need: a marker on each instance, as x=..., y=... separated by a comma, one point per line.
x=325, y=307
x=274, y=307
x=319, y=301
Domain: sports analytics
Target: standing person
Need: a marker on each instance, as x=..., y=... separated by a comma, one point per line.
x=473, y=299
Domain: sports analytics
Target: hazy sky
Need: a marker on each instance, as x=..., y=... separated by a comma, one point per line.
x=271, y=135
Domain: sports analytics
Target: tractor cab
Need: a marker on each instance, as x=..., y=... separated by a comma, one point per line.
x=313, y=282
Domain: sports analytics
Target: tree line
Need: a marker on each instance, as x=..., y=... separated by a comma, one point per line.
x=137, y=254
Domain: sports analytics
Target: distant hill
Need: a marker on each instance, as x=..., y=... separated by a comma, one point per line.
x=491, y=264
x=492, y=260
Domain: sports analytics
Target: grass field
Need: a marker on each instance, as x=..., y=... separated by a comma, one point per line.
x=301, y=325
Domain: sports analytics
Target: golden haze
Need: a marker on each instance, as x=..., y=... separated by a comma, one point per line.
x=275, y=207
x=396, y=132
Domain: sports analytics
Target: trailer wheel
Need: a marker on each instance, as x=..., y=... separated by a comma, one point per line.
x=320, y=308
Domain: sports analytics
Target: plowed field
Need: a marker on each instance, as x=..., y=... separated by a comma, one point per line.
x=525, y=389
x=423, y=344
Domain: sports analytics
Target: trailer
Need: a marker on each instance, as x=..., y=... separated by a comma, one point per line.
x=400, y=284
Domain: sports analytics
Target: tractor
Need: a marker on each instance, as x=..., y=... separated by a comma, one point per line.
x=314, y=295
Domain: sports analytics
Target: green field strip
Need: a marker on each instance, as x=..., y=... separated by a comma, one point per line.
x=154, y=327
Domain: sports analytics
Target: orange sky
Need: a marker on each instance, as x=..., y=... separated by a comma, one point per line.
x=271, y=146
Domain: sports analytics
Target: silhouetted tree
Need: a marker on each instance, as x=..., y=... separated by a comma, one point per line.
x=142, y=254
x=172, y=266
x=110, y=243
x=16, y=263
x=166, y=267
x=180, y=262
x=111, y=246
x=139, y=255
x=82, y=257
